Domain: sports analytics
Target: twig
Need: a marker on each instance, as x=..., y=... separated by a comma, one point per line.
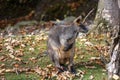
x=88, y=15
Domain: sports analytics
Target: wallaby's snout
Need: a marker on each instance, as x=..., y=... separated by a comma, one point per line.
x=83, y=28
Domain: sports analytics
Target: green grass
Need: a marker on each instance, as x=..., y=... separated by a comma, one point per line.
x=42, y=60
x=98, y=72
x=22, y=76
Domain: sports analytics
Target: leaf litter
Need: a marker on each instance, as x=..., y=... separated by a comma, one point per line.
x=16, y=47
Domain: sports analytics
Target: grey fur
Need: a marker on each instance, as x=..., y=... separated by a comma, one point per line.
x=61, y=43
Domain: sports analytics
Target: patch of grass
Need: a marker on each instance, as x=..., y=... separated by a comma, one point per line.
x=22, y=76
x=97, y=74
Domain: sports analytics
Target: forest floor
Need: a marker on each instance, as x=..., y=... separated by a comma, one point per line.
x=22, y=57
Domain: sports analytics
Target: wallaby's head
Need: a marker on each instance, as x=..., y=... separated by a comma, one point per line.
x=78, y=22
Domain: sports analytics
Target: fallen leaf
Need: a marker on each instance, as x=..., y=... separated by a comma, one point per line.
x=2, y=58
x=11, y=56
x=84, y=40
x=33, y=59
x=9, y=70
x=19, y=53
x=88, y=44
x=22, y=45
x=18, y=59
x=2, y=70
x=116, y=77
x=45, y=38
x=9, y=47
x=82, y=56
x=91, y=77
x=16, y=65
x=95, y=58
x=31, y=49
x=50, y=65
x=2, y=65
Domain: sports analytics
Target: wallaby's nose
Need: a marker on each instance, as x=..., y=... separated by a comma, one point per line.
x=83, y=28
x=86, y=30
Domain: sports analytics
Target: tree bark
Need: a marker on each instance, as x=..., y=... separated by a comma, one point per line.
x=110, y=11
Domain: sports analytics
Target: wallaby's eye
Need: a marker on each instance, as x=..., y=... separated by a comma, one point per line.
x=74, y=32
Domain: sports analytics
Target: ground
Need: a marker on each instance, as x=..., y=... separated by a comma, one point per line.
x=24, y=58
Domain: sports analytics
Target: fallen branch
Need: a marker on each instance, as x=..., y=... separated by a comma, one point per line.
x=87, y=15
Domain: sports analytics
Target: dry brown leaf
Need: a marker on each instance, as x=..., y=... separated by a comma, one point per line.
x=95, y=58
x=11, y=56
x=89, y=44
x=33, y=59
x=80, y=72
x=19, y=53
x=31, y=49
x=38, y=70
x=82, y=56
x=18, y=59
x=9, y=70
x=16, y=65
x=2, y=58
x=116, y=77
x=91, y=77
x=9, y=47
x=83, y=40
x=50, y=65
x=2, y=65
x=2, y=70
x=23, y=45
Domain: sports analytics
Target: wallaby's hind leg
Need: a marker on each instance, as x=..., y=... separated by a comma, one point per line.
x=71, y=64
x=72, y=69
x=55, y=60
x=58, y=66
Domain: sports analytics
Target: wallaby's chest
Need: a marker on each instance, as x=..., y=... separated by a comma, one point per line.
x=64, y=57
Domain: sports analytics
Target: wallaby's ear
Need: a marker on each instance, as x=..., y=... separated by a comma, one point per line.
x=77, y=21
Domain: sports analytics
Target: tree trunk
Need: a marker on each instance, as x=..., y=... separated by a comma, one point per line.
x=110, y=11
x=99, y=18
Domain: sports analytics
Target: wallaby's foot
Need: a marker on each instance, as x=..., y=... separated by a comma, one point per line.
x=60, y=70
x=72, y=70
